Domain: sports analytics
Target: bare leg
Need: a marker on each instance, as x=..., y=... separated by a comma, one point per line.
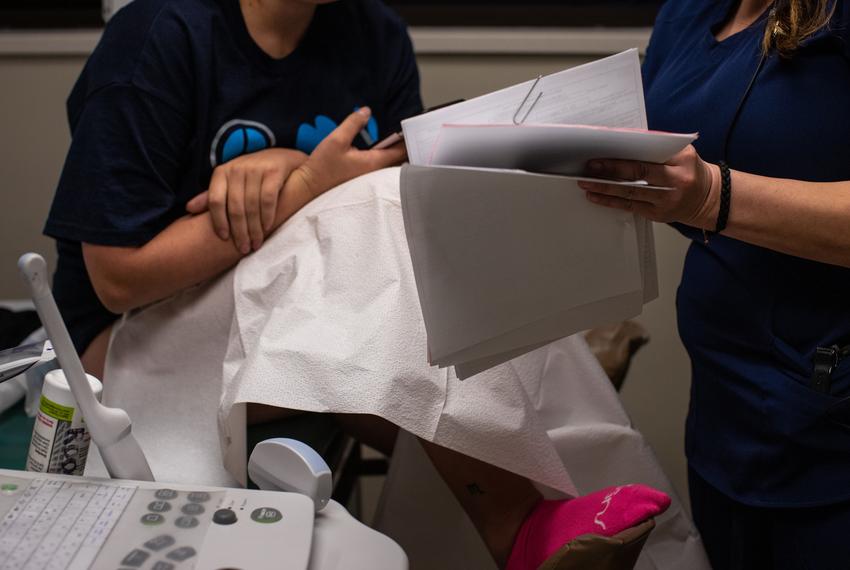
x=499, y=503
x=496, y=501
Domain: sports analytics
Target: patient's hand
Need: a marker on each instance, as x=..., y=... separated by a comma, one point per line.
x=335, y=161
x=243, y=195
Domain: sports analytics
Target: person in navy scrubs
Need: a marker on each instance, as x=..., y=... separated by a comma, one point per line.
x=764, y=302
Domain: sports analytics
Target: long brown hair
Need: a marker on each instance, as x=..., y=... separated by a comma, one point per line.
x=792, y=21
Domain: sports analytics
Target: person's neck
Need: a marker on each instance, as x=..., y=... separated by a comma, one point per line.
x=748, y=11
x=751, y=10
x=277, y=26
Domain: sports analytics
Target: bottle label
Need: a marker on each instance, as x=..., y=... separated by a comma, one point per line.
x=59, y=445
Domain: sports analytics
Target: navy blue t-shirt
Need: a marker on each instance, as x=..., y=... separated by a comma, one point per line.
x=177, y=87
x=750, y=317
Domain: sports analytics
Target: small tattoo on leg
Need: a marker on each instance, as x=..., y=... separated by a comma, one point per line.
x=474, y=489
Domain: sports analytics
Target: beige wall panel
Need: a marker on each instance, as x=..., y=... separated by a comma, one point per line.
x=34, y=138
x=449, y=77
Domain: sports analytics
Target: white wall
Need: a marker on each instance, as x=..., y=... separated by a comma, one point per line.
x=33, y=141
x=37, y=76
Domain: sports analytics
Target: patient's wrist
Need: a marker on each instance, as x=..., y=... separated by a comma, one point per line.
x=300, y=188
x=292, y=159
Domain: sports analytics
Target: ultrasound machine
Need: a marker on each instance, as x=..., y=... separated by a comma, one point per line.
x=130, y=521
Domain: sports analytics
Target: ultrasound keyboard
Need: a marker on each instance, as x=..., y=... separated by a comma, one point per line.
x=62, y=522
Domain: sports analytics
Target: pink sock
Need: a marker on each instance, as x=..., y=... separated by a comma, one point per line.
x=606, y=512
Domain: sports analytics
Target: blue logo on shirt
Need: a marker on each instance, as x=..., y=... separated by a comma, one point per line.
x=310, y=135
x=238, y=137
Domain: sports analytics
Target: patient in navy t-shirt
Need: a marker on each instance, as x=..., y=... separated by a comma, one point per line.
x=185, y=96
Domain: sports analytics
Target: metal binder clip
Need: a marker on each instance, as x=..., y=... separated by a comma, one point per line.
x=525, y=100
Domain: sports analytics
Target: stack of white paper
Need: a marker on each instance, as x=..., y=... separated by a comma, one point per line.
x=553, y=149
x=507, y=252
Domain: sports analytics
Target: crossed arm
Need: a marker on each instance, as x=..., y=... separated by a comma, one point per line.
x=192, y=249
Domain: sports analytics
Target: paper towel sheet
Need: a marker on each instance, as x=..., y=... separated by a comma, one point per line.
x=327, y=319
x=164, y=367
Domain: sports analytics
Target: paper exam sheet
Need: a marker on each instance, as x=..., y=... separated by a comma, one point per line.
x=532, y=309
x=551, y=149
x=607, y=92
x=531, y=246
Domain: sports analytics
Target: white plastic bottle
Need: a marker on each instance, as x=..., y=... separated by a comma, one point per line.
x=60, y=440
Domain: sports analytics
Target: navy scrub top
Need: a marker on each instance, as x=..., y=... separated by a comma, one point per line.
x=751, y=318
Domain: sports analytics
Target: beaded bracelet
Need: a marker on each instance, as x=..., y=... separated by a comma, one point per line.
x=725, y=197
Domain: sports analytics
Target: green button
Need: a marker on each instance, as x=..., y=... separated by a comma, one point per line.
x=8, y=488
x=266, y=515
x=152, y=519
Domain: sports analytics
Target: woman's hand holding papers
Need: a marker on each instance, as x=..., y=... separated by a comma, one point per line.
x=692, y=197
